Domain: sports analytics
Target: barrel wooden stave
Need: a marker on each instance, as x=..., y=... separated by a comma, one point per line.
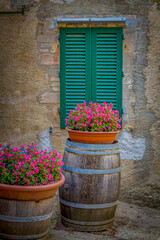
x=88, y=215
x=25, y=219
x=91, y=161
x=84, y=188
x=97, y=191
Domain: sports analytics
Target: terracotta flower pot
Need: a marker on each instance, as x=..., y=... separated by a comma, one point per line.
x=92, y=137
x=26, y=211
x=30, y=193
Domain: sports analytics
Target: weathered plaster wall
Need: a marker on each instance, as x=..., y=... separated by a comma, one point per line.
x=22, y=118
x=147, y=106
x=152, y=84
x=29, y=71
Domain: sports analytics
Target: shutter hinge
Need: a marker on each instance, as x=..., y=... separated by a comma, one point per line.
x=59, y=111
x=122, y=111
x=122, y=74
x=123, y=38
x=59, y=74
x=59, y=38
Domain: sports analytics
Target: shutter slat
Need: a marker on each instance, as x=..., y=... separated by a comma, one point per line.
x=106, y=74
x=110, y=42
x=74, y=52
x=73, y=82
x=107, y=87
x=76, y=67
x=75, y=91
x=78, y=94
x=106, y=91
x=107, y=44
x=106, y=65
x=111, y=57
x=76, y=78
x=106, y=36
x=74, y=74
x=106, y=77
x=73, y=87
x=107, y=50
x=109, y=84
x=105, y=71
x=76, y=57
x=109, y=94
x=75, y=47
x=80, y=42
x=105, y=53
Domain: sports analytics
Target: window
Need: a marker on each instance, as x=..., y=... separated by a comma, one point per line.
x=90, y=67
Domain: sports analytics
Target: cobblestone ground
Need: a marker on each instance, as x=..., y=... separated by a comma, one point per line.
x=132, y=222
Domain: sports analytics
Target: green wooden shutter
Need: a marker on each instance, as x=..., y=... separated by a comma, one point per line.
x=90, y=67
x=75, y=69
x=107, y=66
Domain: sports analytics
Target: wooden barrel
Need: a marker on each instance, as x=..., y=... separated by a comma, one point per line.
x=88, y=199
x=25, y=219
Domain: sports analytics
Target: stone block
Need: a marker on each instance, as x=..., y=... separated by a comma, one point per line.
x=54, y=79
x=155, y=133
x=128, y=123
x=49, y=97
x=46, y=45
x=128, y=47
x=47, y=59
x=57, y=1
x=45, y=50
x=55, y=60
x=56, y=86
x=128, y=61
x=5, y=6
x=56, y=123
x=46, y=37
x=129, y=96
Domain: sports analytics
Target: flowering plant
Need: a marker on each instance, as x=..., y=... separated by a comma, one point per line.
x=20, y=166
x=93, y=117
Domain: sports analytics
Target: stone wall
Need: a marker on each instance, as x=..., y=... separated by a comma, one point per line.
x=30, y=86
x=152, y=84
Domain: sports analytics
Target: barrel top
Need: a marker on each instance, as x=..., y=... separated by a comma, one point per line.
x=114, y=145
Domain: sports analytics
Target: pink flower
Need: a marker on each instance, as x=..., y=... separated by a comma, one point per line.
x=29, y=167
x=22, y=146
